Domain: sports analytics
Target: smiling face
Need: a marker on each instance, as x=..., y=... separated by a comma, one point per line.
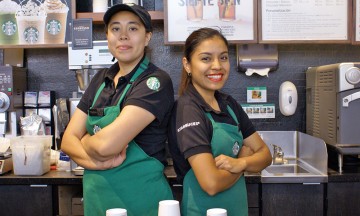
x=127, y=37
x=209, y=65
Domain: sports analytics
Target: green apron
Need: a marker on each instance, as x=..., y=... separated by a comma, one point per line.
x=227, y=140
x=137, y=185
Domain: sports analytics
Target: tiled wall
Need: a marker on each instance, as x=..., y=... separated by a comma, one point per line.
x=48, y=70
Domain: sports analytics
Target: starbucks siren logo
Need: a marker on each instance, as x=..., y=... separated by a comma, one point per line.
x=31, y=35
x=153, y=83
x=8, y=28
x=53, y=27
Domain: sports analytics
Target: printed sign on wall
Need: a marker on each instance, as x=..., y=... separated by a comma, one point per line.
x=235, y=18
x=35, y=21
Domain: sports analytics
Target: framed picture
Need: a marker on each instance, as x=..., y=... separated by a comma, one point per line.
x=356, y=22
x=305, y=21
x=33, y=22
x=236, y=19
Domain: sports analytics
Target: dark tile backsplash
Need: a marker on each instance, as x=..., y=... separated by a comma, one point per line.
x=48, y=70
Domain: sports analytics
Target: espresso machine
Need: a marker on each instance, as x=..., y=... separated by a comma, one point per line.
x=86, y=63
x=12, y=86
x=332, y=107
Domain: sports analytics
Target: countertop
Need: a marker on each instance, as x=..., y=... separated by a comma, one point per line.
x=351, y=173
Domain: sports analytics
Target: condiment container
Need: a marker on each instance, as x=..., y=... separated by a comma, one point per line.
x=31, y=154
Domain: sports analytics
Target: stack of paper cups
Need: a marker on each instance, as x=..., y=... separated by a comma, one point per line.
x=169, y=208
x=100, y=5
x=216, y=212
x=130, y=2
x=116, y=212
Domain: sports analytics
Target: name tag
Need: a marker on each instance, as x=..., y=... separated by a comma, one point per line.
x=96, y=112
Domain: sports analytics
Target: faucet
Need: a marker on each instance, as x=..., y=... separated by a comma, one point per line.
x=278, y=155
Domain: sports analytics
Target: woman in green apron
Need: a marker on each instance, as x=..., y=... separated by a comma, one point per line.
x=211, y=139
x=119, y=129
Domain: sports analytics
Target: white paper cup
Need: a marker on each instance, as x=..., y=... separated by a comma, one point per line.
x=116, y=212
x=31, y=29
x=216, y=212
x=100, y=6
x=130, y=1
x=169, y=207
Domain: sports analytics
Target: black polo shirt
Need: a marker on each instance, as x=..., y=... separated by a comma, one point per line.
x=190, y=130
x=159, y=102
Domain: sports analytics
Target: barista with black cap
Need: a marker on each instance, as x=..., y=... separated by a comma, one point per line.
x=118, y=131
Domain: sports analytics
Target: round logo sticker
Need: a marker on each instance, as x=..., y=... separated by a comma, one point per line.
x=153, y=83
x=31, y=35
x=53, y=27
x=9, y=28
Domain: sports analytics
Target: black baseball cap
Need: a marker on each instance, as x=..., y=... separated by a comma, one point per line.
x=134, y=8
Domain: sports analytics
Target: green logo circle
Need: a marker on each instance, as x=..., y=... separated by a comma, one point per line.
x=53, y=27
x=153, y=83
x=9, y=28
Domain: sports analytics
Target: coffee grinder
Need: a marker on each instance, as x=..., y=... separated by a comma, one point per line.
x=12, y=86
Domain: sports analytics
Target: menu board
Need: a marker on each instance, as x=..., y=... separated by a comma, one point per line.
x=305, y=20
x=30, y=22
x=236, y=19
x=356, y=38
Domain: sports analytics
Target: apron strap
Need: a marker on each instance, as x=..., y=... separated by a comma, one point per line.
x=143, y=66
x=98, y=93
x=232, y=114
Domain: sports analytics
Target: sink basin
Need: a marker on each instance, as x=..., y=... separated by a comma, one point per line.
x=294, y=172
x=304, y=157
x=281, y=169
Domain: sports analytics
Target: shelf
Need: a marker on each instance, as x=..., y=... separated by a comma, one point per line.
x=40, y=46
x=98, y=17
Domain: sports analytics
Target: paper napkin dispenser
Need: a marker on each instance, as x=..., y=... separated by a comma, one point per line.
x=257, y=58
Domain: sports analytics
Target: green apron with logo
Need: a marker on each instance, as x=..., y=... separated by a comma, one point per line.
x=137, y=185
x=227, y=140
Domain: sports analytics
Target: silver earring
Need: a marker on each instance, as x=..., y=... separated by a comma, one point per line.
x=189, y=74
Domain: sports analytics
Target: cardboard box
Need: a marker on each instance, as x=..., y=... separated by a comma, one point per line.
x=77, y=207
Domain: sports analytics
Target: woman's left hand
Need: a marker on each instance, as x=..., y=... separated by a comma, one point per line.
x=233, y=165
x=119, y=158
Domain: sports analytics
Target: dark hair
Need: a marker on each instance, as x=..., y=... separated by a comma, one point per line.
x=191, y=43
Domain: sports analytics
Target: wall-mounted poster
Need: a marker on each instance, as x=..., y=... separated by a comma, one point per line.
x=35, y=21
x=356, y=15
x=305, y=21
x=235, y=18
